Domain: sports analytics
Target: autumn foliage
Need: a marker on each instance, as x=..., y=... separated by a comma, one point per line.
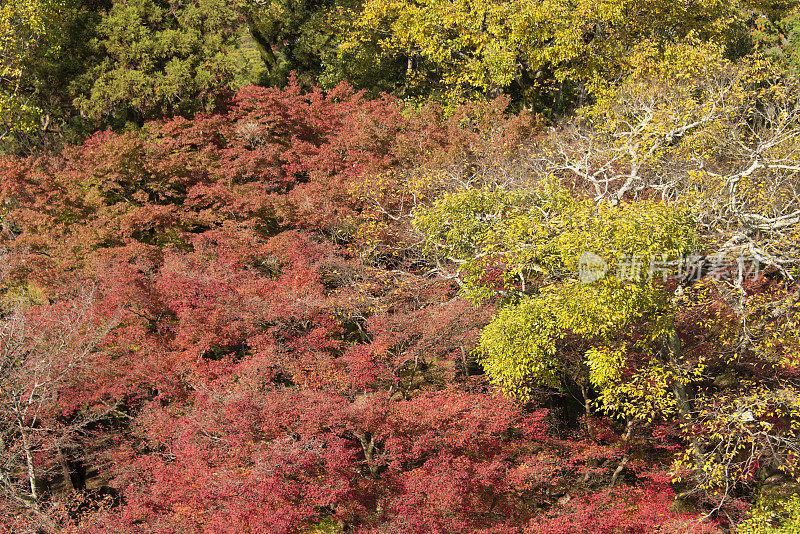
x=306, y=310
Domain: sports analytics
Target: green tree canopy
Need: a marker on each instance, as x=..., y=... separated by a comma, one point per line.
x=540, y=52
x=30, y=32
x=534, y=247
x=163, y=58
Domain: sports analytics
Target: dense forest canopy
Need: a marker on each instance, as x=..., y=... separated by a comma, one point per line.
x=418, y=266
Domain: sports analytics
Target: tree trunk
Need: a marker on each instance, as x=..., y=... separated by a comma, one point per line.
x=368, y=446
x=263, y=44
x=680, y=394
x=29, y=465
x=618, y=471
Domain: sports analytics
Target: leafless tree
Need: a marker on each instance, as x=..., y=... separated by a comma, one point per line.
x=43, y=350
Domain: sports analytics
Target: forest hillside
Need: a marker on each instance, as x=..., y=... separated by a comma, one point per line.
x=399, y=266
